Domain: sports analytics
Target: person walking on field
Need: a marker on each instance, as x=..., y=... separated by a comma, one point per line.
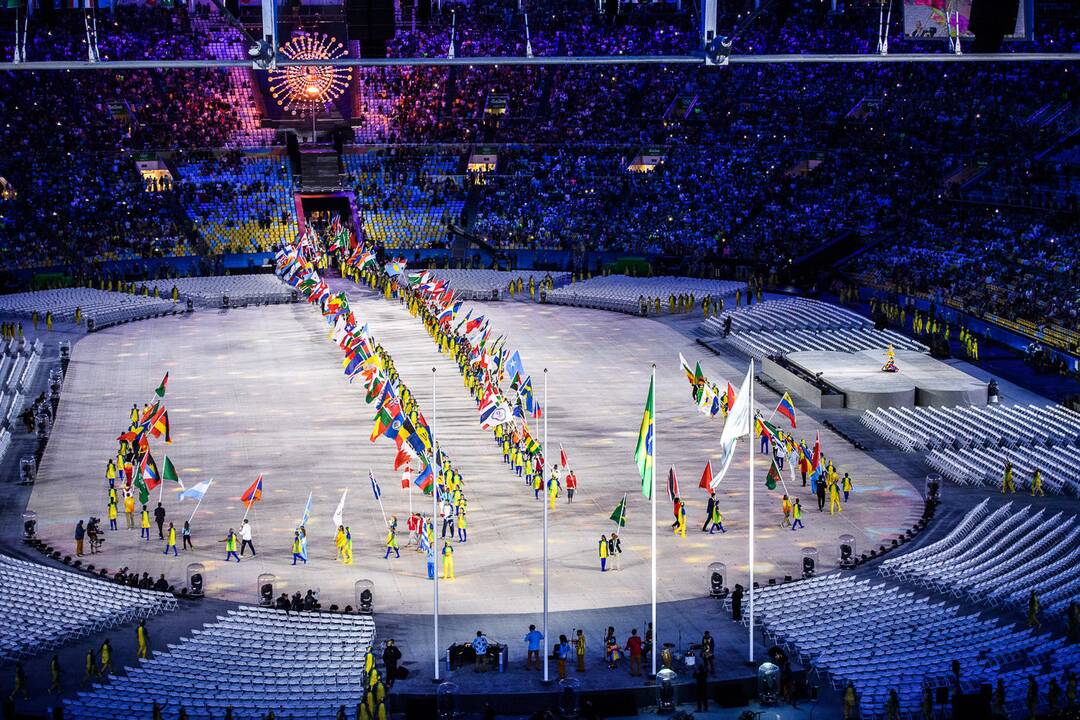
x=603, y=550
x=159, y=518
x=144, y=524
x=230, y=546
x=245, y=537
x=796, y=514
x=170, y=541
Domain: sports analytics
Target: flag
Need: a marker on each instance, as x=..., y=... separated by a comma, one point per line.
x=168, y=472
x=401, y=459
x=196, y=492
x=787, y=409
x=672, y=485
x=375, y=489
x=144, y=492
x=383, y=420
x=148, y=471
x=764, y=427
x=307, y=512
x=424, y=478
x=729, y=398
x=736, y=426
x=497, y=412
x=643, y=455
x=686, y=369
x=160, y=391
x=773, y=476
x=160, y=426
x=618, y=516
x=340, y=511
x=706, y=477
x=563, y=460
x=254, y=492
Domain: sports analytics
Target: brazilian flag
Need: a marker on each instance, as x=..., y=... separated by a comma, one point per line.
x=644, y=452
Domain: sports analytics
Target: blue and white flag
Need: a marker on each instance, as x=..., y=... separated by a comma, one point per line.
x=196, y=492
x=307, y=512
x=375, y=489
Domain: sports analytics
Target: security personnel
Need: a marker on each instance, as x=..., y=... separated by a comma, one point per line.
x=447, y=562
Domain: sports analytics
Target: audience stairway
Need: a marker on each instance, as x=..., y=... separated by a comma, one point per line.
x=302, y=666
x=19, y=363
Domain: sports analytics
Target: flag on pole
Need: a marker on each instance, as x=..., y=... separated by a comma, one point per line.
x=424, y=480
x=672, y=485
x=254, y=492
x=773, y=475
x=736, y=426
x=196, y=492
x=643, y=455
x=401, y=459
x=563, y=460
x=340, y=511
x=686, y=369
x=144, y=492
x=307, y=512
x=706, y=477
x=375, y=489
x=148, y=471
x=618, y=516
x=168, y=472
x=160, y=391
x=787, y=409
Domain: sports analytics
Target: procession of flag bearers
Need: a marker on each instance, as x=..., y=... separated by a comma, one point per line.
x=505, y=400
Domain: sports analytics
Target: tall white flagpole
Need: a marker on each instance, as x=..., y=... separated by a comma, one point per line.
x=751, y=477
x=544, y=482
x=655, y=634
x=434, y=518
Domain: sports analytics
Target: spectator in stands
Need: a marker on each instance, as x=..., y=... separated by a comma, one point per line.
x=162, y=585
x=105, y=653
x=54, y=675
x=1033, y=611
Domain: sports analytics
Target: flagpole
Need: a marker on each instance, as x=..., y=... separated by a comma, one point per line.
x=434, y=516
x=379, y=498
x=200, y=500
x=750, y=447
x=544, y=480
x=656, y=635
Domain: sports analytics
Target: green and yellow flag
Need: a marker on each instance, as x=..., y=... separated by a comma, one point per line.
x=644, y=452
x=619, y=515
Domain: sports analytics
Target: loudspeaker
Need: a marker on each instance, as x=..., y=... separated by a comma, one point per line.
x=990, y=21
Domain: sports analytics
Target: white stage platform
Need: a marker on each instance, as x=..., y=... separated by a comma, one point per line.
x=921, y=380
x=260, y=390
